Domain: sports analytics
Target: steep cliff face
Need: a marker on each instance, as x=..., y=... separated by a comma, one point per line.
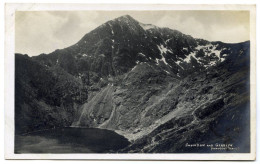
x=156, y=86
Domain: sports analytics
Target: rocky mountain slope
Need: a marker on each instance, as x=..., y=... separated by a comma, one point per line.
x=156, y=86
x=45, y=97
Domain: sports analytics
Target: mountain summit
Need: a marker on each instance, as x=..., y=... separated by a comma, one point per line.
x=125, y=18
x=118, y=45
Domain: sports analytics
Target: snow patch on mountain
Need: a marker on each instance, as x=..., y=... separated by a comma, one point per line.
x=188, y=58
x=167, y=72
x=157, y=61
x=178, y=63
x=162, y=49
x=140, y=53
x=134, y=68
x=168, y=40
x=209, y=50
x=185, y=48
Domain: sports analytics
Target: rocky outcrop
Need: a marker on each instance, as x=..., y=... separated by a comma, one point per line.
x=219, y=115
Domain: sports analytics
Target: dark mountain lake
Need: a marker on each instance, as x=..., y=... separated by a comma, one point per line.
x=70, y=140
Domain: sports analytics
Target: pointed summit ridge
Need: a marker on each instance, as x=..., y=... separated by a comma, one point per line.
x=125, y=18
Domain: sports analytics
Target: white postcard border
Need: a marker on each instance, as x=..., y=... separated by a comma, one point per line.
x=9, y=81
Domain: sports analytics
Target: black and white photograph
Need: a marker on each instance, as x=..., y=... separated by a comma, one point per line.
x=133, y=82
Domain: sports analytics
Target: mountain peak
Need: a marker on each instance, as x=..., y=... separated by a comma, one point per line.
x=125, y=18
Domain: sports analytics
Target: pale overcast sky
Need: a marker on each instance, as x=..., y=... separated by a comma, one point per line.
x=39, y=32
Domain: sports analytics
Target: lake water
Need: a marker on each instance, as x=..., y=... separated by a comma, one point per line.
x=70, y=140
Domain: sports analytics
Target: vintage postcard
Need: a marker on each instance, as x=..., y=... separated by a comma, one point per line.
x=143, y=82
